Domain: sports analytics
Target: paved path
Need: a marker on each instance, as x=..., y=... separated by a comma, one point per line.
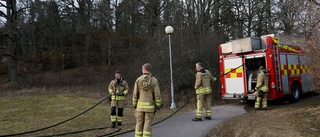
x=182, y=126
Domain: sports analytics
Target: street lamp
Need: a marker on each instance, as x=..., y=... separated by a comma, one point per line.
x=169, y=30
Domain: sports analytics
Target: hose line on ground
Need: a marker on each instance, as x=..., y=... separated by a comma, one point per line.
x=54, y=125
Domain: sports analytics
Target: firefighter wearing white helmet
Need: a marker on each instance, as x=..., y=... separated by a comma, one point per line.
x=262, y=89
x=204, y=79
x=118, y=88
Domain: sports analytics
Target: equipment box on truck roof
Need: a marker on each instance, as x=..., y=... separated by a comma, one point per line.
x=246, y=45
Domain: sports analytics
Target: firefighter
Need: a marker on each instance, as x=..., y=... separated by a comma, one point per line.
x=146, y=99
x=118, y=88
x=262, y=89
x=204, y=79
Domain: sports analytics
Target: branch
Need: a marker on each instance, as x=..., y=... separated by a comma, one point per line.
x=13, y=40
x=315, y=2
x=21, y=10
x=142, y=3
x=162, y=6
x=2, y=5
x=2, y=14
x=8, y=55
x=78, y=9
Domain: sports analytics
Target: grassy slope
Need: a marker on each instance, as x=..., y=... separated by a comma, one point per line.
x=25, y=113
x=299, y=120
x=32, y=112
x=55, y=97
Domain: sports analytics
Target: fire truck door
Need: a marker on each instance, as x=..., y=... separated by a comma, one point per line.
x=234, y=80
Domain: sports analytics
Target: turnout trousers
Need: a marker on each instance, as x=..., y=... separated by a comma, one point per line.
x=203, y=101
x=117, y=116
x=263, y=99
x=143, y=123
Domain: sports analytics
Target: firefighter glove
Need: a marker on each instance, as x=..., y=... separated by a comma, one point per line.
x=113, y=93
x=214, y=79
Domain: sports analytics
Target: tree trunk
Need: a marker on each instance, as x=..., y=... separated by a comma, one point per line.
x=88, y=31
x=11, y=42
x=87, y=46
x=109, y=49
x=269, y=30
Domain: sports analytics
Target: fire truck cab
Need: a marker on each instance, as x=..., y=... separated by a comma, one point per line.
x=282, y=56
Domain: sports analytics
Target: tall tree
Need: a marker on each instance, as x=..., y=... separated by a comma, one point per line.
x=106, y=19
x=287, y=15
x=84, y=9
x=12, y=35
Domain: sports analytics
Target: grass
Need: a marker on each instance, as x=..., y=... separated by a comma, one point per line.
x=21, y=114
x=33, y=109
x=299, y=119
x=57, y=96
x=27, y=113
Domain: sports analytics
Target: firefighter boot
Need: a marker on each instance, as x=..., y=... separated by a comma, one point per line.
x=119, y=117
x=196, y=119
x=113, y=125
x=113, y=117
x=207, y=118
x=119, y=124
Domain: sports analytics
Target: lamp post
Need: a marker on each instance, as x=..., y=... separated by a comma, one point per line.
x=169, y=30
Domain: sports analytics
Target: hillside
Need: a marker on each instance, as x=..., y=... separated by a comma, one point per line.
x=282, y=120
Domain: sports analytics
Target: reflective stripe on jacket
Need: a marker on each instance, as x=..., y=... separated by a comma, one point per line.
x=146, y=93
x=203, y=82
x=122, y=87
x=262, y=81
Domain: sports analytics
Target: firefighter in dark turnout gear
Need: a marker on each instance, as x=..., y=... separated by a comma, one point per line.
x=146, y=98
x=262, y=89
x=118, y=88
x=204, y=79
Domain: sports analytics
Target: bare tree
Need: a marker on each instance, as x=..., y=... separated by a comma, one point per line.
x=106, y=19
x=84, y=9
x=12, y=35
x=309, y=27
x=287, y=14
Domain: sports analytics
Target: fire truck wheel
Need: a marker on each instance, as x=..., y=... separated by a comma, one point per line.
x=295, y=93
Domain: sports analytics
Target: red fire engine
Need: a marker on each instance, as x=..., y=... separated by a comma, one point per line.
x=283, y=58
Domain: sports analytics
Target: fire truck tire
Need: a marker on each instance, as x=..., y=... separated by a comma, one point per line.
x=295, y=93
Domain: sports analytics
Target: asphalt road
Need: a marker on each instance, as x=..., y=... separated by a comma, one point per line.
x=182, y=126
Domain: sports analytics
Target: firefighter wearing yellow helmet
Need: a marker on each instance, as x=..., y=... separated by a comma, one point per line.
x=118, y=88
x=262, y=89
x=146, y=98
x=204, y=79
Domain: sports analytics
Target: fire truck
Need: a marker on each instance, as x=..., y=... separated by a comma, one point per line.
x=283, y=57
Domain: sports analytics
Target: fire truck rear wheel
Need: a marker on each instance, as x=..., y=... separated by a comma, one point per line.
x=295, y=92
